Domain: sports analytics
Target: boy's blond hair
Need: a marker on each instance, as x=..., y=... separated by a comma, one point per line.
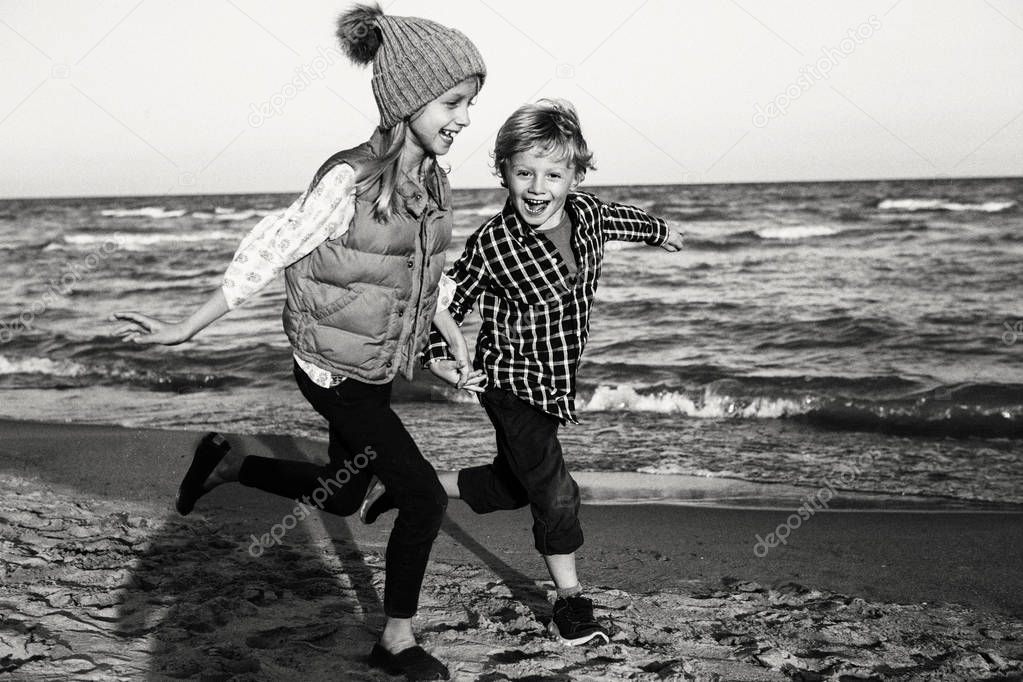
x=551, y=125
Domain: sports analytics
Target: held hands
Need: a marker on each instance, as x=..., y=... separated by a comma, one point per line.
x=457, y=372
x=142, y=329
x=675, y=241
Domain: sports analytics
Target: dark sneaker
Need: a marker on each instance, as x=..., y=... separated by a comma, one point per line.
x=414, y=663
x=377, y=502
x=208, y=453
x=573, y=622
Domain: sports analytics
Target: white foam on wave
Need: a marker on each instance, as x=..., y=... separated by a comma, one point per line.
x=488, y=210
x=672, y=469
x=235, y=216
x=136, y=242
x=942, y=205
x=461, y=233
x=792, y=232
x=227, y=215
x=712, y=405
x=145, y=212
x=60, y=368
x=117, y=371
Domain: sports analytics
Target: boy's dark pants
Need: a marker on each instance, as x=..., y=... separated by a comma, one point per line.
x=529, y=469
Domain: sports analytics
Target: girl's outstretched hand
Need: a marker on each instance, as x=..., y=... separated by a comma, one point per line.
x=147, y=330
x=143, y=329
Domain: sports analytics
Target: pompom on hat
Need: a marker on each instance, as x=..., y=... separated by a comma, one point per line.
x=414, y=60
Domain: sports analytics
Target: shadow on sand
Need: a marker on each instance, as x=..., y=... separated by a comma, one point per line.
x=209, y=603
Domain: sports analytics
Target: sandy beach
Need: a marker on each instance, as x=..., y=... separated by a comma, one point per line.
x=102, y=580
x=760, y=261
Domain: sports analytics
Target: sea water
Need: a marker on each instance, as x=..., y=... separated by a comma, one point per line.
x=805, y=326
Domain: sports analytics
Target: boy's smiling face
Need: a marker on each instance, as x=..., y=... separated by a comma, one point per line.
x=538, y=183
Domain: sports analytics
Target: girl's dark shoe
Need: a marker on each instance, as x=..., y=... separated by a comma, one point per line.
x=208, y=453
x=573, y=622
x=377, y=502
x=414, y=663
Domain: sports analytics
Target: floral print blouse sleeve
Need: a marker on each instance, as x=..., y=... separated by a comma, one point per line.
x=280, y=239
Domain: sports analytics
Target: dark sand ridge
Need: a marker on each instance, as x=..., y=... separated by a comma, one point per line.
x=685, y=569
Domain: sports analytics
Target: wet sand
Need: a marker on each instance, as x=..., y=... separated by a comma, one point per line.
x=101, y=580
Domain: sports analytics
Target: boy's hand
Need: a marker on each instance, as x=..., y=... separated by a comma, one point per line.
x=462, y=362
x=459, y=375
x=143, y=329
x=457, y=372
x=675, y=241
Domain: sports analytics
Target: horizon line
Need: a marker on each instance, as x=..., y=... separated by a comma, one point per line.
x=498, y=187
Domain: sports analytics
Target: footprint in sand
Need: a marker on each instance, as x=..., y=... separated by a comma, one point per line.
x=278, y=637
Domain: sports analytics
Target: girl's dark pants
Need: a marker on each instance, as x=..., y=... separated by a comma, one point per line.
x=366, y=438
x=529, y=469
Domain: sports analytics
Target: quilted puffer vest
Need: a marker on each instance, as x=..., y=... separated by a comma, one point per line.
x=361, y=305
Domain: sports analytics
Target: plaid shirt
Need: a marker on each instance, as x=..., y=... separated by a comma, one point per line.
x=535, y=315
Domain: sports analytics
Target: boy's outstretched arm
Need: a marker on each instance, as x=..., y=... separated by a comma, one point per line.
x=630, y=224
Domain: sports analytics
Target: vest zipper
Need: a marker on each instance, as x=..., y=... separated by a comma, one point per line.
x=410, y=342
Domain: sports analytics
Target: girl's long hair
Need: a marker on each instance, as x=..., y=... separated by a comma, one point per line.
x=385, y=169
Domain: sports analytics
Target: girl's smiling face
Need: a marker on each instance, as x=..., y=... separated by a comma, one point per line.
x=433, y=128
x=538, y=185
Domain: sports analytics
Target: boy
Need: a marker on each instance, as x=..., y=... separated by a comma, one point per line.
x=534, y=270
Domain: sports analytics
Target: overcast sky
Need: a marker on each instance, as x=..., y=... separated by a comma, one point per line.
x=210, y=96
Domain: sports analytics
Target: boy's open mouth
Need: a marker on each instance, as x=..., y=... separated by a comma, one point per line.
x=448, y=135
x=535, y=206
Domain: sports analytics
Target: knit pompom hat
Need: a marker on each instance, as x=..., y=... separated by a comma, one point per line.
x=414, y=60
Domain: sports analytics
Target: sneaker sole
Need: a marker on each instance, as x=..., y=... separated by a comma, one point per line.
x=375, y=492
x=578, y=641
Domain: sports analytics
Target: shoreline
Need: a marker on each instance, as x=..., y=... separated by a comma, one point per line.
x=618, y=488
x=102, y=578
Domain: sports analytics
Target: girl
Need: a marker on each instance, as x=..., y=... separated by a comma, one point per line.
x=362, y=251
